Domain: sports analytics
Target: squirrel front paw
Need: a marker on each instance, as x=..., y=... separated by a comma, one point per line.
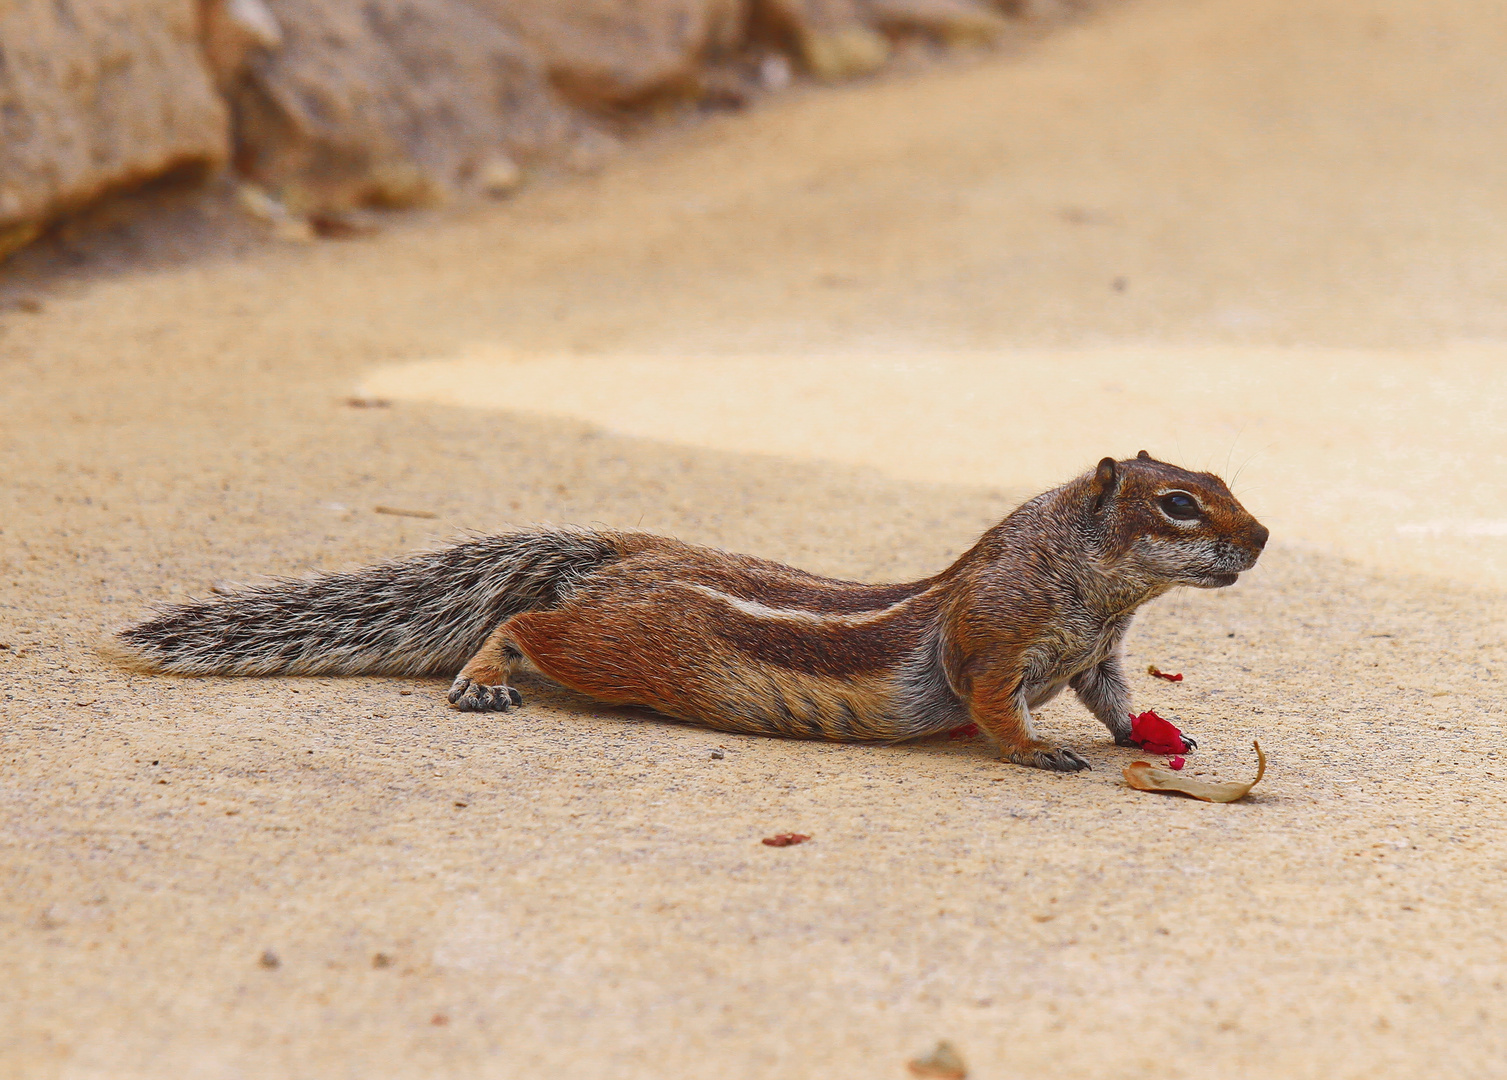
x=1052, y=758
x=469, y=696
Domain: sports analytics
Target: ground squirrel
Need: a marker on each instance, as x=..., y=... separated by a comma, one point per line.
x=1040, y=603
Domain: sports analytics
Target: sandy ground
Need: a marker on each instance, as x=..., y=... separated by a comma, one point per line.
x=1240, y=233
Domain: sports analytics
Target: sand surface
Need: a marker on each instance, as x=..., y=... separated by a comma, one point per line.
x=848, y=331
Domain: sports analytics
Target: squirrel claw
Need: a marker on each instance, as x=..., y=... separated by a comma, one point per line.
x=1189, y=742
x=469, y=696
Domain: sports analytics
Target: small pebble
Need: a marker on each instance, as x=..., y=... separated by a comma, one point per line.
x=718, y=755
x=270, y=960
x=943, y=1063
x=775, y=72
x=499, y=176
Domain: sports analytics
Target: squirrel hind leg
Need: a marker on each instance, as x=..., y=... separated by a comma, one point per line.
x=483, y=684
x=1006, y=718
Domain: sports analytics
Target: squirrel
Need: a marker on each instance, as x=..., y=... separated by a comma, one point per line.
x=1041, y=602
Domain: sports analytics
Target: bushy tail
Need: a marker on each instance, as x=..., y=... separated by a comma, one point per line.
x=423, y=615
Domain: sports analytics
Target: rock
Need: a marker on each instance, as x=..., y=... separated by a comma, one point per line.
x=395, y=103
x=775, y=72
x=390, y=103
x=15, y=237
x=1044, y=10
x=232, y=31
x=498, y=175
x=342, y=104
x=272, y=213
x=832, y=37
x=955, y=22
x=344, y=224
x=97, y=95
x=619, y=52
x=403, y=185
x=845, y=52
x=943, y=1063
x=591, y=151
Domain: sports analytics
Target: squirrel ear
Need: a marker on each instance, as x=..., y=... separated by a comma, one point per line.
x=1143, y=456
x=1106, y=480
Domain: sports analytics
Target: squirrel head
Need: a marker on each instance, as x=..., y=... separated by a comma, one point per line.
x=1177, y=526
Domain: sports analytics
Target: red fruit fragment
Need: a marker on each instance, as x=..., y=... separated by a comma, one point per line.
x=1160, y=674
x=1177, y=763
x=785, y=839
x=1150, y=732
x=967, y=731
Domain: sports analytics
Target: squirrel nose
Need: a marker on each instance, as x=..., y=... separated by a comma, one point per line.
x=1259, y=535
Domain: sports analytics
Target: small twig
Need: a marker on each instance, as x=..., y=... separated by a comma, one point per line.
x=399, y=512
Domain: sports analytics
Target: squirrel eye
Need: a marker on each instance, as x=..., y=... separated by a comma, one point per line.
x=1179, y=506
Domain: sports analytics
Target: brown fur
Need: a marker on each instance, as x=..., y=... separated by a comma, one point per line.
x=1041, y=603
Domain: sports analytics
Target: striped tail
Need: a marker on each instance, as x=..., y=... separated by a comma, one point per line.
x=422, y=615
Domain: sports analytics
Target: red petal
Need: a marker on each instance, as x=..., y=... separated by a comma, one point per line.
x=967, y=731
x=1150, y=732
x=1177, y=763
x=785, y=839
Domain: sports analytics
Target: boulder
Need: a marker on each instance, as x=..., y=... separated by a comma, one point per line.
x=954, y=22
x=97, y=95
x=834, y=38
x=233, y=32
x=395, y=102
x=325, y=105
x=620, y=52
x=390, y=102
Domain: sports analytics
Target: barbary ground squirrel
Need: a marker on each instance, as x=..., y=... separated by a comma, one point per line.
x=1040, y=603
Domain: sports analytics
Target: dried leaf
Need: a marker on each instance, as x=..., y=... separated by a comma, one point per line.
x=785, y=839
x=1144, y=776
x=1160, y=674
x=943, y=1063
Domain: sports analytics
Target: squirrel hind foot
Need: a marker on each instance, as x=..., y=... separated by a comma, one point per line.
x=469, y=696
x=1051, y=758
